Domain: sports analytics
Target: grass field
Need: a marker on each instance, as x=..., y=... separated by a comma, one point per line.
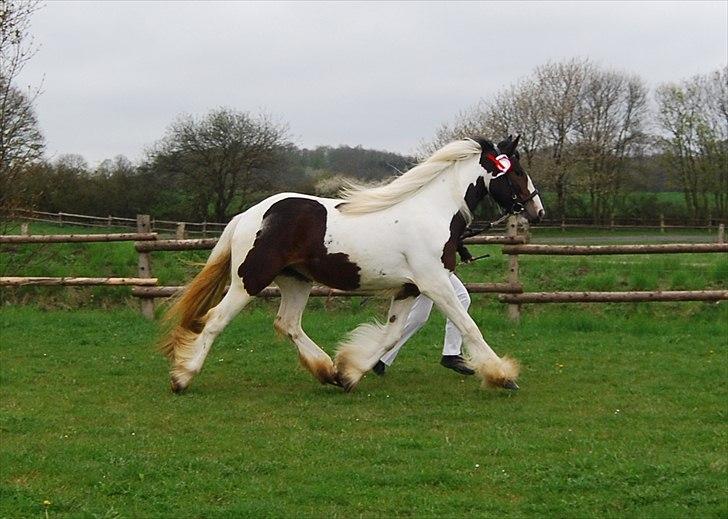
x=622, y=412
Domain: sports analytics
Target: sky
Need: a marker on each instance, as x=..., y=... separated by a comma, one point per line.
x=382, y=75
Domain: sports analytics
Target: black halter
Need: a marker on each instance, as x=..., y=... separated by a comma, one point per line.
x=518, y=205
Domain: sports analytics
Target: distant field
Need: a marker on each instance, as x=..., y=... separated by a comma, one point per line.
x=637, y=204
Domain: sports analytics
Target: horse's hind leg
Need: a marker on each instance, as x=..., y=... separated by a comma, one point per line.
x=189, y=364
x=294, y=296
x=367, y=343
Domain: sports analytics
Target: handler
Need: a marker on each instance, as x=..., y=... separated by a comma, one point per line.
x=451, y=351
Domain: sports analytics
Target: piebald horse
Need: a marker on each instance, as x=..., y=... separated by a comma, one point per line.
x=399, y=237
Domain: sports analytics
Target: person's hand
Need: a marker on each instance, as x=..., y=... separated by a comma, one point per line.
x=465, y=256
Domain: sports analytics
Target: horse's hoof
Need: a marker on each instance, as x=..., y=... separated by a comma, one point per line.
x=510, y=384
x=346, y=383
x=334, y=381
x=176, y=387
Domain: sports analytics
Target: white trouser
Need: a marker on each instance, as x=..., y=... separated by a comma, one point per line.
x=418, y=317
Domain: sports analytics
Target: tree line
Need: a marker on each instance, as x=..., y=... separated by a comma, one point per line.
x=591, y=136
x=599, y=143
x=210, y=172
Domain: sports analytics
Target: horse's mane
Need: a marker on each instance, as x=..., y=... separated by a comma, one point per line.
x=363, y=199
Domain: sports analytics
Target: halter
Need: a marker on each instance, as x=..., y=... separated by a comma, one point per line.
x=503, y=166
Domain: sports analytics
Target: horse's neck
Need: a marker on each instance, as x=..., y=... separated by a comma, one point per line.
x=447, y=195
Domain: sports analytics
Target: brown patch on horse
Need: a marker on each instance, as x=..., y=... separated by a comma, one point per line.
x=457, y=226
x=293, y=273
x=407, y=290
x=475, y=193
x=291, y=241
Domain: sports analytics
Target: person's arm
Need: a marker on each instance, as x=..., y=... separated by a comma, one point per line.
x=465, y=256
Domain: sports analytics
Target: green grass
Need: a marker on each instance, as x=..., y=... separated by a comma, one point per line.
x=622, y=413
x=622, y=410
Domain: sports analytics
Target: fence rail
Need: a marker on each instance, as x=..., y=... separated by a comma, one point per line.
x=511, y=292
x=177, y=228
x=614, y=297
x=72, y=281
x=182, y=228
x=76, y=238
x=321, y=291
x=591, y=250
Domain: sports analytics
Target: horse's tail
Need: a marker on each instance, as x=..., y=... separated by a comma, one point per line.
x=186, y=317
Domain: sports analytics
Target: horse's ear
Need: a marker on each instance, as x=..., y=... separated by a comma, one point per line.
x=515, y=143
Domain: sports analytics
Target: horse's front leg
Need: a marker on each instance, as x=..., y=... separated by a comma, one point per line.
x=493, y=370
x=368, y=342
x=294, y=296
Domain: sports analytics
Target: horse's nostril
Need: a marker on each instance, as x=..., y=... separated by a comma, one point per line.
x=541, y=214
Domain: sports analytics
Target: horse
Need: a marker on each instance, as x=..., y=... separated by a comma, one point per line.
x=399, y=238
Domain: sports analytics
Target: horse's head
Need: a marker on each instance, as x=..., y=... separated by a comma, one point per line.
x=507, y=182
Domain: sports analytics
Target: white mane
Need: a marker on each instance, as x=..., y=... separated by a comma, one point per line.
x=360, y=200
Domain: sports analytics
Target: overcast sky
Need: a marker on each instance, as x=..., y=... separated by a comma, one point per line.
x=382, y=75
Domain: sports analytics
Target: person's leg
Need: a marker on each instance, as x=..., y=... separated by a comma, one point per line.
x=415, y=320
x=453, y=339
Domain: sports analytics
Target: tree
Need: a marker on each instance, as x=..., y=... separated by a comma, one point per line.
x=560, y=88
x=577, y=123
x=608, y=127
x=21, y=141
x=217, y=158
x=693, y=119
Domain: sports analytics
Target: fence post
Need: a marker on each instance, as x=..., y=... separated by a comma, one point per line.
x=514, y=310
x=144, y=225
x=181, y=231
x=721, y=233
x=662, y=223
x=204, y=229
x=24, y=229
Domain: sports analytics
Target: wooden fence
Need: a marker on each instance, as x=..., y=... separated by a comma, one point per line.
x=510, y=292
x=514, y=300
x=183, y=229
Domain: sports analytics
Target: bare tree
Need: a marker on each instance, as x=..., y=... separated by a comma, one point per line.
x=469, y=122
x=519, y=109
x=21, y=141
x=543, y=109
x=608, y=127
x=216, y=156
x=560, y=88
x=693, y=118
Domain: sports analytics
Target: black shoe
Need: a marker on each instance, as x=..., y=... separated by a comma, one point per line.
x=379, y=368
x=457, y=363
